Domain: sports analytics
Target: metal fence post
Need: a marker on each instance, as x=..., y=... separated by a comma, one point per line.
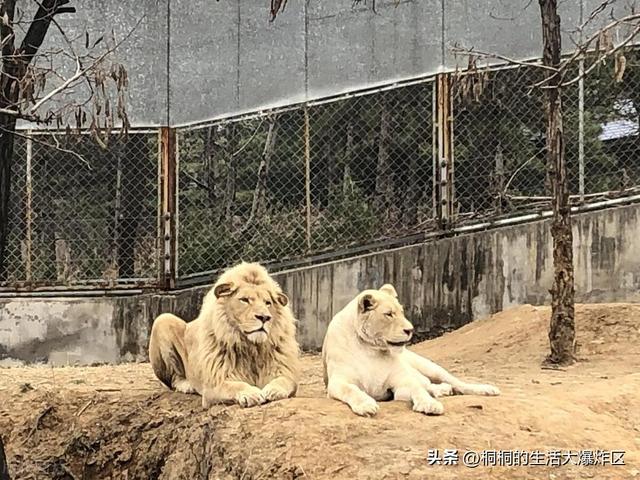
x=168, y=204
x=28, y=208
x=444, y=190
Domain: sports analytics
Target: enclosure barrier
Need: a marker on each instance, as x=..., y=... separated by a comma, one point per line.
x=366, y=170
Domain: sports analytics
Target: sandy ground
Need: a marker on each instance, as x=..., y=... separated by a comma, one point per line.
x=119, y=422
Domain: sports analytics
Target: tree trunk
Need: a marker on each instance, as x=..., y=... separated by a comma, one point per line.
x=14, y=66
x=6, y=156
x=210, y=160
x=259, y=204
x=8, y=97
x=133, y=154
x=562, y=325
x=230, y=183
x=384, y=180
x=346, y=168
x=4, y=465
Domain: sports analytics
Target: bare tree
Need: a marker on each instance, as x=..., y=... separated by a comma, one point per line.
x=562, y=327
x=596, y=49
x=259, y=203
x=384, y=174
x=32, y=84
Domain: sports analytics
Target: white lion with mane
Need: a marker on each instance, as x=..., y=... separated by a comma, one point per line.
x=365, y=359
x=240, y=349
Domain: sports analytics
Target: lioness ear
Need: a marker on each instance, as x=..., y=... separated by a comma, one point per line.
x=282, y=299
x=367, y=303
x=223, y=290
x=389, y=289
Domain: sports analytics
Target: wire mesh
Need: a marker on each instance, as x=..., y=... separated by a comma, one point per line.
x=500, y=137
x=611, y=116
x=317, y=180
x=81, y=213
x=305, y=181
x=499, y=141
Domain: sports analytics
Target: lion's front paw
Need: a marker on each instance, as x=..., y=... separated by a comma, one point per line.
x=272, y=393
x=250, y=397
x=480, y=389
x=440, y=390
x=184, y=386
x=488, y=390
x=365, y=408
x=428, y=406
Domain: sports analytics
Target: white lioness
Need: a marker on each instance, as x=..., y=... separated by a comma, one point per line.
x=241, y=348
x=365, y=359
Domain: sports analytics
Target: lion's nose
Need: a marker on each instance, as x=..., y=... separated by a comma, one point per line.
x=263, y=318
x=408, y=331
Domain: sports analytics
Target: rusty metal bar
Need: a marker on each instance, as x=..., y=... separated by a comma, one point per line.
x=451, y=150
x=434, y=141
x=444, y=167
x=168, y=178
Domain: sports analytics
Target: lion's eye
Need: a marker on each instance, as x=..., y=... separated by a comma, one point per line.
x=268, y=303
x=244, y=300
x=389, y=314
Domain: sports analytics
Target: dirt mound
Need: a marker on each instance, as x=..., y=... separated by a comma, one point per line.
x=119, y=422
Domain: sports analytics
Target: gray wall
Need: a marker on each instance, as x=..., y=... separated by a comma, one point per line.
x=141, y=26
x=443, y=284
x=225, y=57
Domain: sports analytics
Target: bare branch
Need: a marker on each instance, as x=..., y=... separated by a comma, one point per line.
x=595, y=64
x=40, y=25
x=7, y=12
x=24, y=116
x=81, y=72
x=46, y=144
x=255, y=132
x=524, y=164
x=595, y=12
x=471, y=51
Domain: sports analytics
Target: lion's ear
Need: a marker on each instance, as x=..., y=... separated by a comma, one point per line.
x=224, y=289
x=389, y=289
x=366, y=303
x=282, y=299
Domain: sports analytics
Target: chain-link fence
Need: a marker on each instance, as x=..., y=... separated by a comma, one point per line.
x=500, y=151
x=81, y=213
x=365, y=170
x=314, y=182
x=306, y=181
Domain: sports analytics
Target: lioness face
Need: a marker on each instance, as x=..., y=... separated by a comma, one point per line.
x=381, y=320
x=252, y=308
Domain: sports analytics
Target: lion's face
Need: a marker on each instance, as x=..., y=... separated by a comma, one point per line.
x=252, y=308
x=381, y=321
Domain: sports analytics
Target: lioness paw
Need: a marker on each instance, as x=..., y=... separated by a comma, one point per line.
x=365, y=408
x=272, y=393
x=488, y=390
x=440, y=390
x=250, y=397
x=428, y=406
x=480, y=389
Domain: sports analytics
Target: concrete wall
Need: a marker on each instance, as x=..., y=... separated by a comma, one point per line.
x=142, y=28
x=238, y=61
x=443, y=284
x=194, y=60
